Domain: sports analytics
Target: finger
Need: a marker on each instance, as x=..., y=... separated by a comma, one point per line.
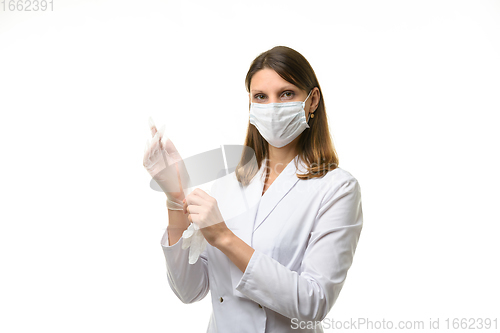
x=193, y=218
x=194, y=209
x=193, y=199
x=153, y=130
x=161, y=130
x=155, y=152
x=147, y=153
x=152, y=126
x=200, y=193
x=164, y=140
x=156, y=140
x=149, y=150
x=168, y=145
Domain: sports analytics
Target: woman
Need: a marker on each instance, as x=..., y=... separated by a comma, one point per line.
x=283, y=228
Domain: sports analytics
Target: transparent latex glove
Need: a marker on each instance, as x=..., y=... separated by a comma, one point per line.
x=194, y=239
x=164, y=163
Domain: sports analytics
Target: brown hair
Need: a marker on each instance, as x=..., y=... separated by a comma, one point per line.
x=315, y=145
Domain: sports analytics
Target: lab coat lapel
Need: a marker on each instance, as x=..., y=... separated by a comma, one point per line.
x=251, y=198
x=244, y=226
x=280, y=187
x=259, y=207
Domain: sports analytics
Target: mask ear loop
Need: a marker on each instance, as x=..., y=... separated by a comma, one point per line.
x=304, y=104
x=308, y=96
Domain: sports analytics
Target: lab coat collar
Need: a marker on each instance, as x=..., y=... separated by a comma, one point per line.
x=260, y=206
x=285, y=181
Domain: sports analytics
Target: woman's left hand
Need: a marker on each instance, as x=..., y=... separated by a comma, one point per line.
x=204, y=212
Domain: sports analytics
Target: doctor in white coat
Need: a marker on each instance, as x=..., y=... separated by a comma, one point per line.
x=283, y=228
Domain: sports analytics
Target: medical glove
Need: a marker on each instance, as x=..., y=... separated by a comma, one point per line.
x=194, y=239
x=164, y=163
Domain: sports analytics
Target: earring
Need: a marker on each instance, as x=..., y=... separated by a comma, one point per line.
x=312, y=115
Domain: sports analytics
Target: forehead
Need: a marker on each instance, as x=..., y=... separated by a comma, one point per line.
x=268, y=80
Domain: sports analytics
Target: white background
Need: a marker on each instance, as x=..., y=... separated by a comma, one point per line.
x=412, y=94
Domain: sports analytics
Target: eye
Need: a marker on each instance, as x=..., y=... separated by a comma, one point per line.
x=259, y=97
x=288, y=94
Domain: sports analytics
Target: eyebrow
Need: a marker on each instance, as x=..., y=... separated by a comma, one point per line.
x=281, y=89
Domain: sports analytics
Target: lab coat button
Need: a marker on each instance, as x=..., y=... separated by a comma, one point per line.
x=221, y=299
x=260, y=306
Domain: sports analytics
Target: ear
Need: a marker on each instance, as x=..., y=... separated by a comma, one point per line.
x=315, y=97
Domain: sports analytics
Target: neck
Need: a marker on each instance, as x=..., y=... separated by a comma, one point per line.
x=280, y=157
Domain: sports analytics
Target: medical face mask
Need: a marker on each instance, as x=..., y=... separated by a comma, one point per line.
x=279, y=123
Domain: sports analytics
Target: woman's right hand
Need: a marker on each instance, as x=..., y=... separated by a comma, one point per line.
x=164, y=163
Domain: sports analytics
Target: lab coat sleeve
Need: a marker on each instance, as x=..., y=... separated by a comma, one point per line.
x=309, y=293
x=190, y=283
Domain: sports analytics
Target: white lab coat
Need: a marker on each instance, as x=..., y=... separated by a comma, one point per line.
x=304, y=233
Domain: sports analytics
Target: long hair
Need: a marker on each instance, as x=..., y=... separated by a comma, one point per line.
x=315, y=144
